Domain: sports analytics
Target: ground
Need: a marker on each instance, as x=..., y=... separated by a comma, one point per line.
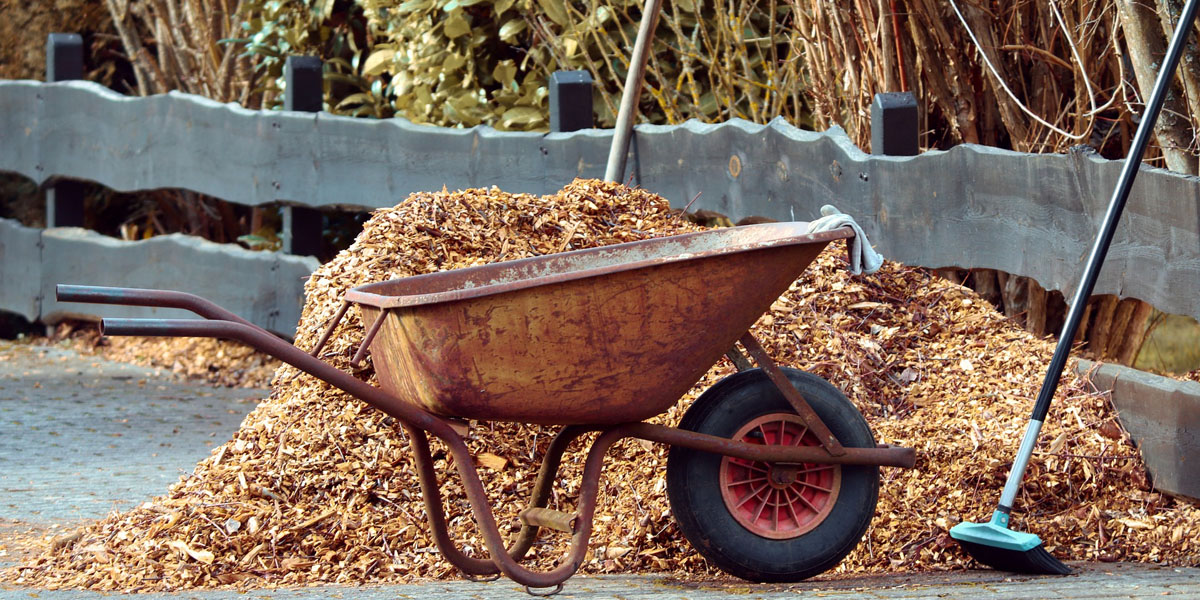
x=81, y=436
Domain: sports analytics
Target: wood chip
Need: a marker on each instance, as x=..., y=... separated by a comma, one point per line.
x=491, y=461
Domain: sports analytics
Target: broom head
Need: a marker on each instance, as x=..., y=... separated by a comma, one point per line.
x=999, y=547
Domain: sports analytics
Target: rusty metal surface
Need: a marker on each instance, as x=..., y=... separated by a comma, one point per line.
x=363, y=346
x=507, y=276
x=337, y=318
x=599, y=336
x=882, y=455
x=792, y=395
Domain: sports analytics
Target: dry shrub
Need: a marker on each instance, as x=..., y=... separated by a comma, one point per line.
x=180, y=45
x=1031, y=76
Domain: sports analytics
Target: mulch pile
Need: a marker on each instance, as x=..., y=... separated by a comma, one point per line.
x=221, y=362
x=317, y=487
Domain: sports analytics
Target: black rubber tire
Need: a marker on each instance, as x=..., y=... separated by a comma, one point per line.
x=694, y=490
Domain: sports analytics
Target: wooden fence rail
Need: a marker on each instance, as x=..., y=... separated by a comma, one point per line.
x=971, y=206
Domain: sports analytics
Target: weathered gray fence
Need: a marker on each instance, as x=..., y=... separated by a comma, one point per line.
x=264, y=287
x=1162, y=415
x=972, y=206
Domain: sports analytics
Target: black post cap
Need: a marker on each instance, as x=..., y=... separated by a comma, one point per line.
x=64, y=56
x=305, y=91
x=570, y=101
x=894, y=124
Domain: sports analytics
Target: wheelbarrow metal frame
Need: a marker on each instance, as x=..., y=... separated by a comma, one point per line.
x=503, y=558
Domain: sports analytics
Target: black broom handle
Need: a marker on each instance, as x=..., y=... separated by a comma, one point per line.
x=1115, y=207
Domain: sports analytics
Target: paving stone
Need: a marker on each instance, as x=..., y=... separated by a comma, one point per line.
x=81, y=436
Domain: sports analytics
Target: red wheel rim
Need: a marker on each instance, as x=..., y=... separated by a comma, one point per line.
x=774, y=501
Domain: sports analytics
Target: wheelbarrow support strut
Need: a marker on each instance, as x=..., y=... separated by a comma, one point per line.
x=417, y=422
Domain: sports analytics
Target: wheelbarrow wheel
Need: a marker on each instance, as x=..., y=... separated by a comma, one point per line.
x=761, y=522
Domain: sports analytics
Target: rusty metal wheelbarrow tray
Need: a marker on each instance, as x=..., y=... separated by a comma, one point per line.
x=594, y=340
x=598, y=336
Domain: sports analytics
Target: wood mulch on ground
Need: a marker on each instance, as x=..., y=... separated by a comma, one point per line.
x=318, y=487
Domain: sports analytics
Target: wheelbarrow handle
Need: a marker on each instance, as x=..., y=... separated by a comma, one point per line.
x=268, y=343
x=90, y=294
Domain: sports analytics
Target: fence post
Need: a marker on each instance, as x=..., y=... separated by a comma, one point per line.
x=894, y=124
x=64, y=62
x=302, y=227
x=570, y=101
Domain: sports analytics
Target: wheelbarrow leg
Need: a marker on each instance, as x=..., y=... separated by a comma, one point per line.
x=585, y=512
x=476, y=567
x=500, y=559
x=470, y=567
x=544, y=484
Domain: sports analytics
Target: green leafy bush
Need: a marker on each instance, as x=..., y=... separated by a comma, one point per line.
x=470, y=62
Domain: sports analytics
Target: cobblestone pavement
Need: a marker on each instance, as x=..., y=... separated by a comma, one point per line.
x=1091, y=581
x=81, y=436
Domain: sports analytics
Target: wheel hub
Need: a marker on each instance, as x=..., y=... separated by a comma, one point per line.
x=778, y=501
x=781, y=477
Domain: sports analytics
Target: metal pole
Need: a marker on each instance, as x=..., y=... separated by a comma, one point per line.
x=1099, y=250
x=633, y=89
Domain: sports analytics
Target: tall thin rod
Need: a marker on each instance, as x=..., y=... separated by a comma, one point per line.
x=615, y=171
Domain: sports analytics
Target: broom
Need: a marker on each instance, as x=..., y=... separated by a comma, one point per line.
x=993, y=543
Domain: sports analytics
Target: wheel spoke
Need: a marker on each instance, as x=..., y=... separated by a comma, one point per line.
x=791, y=507
x=754, y=492
x=810, y=505
x=799, y=441
x=775, y=511
x=815, y=486
x=744, y=481
x=761, y=506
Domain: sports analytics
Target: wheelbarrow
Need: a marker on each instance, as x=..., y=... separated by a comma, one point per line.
x=772, y=474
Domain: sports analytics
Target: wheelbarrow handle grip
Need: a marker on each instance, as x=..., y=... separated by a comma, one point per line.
x=155, y=327
x=92, y=294
x=146, y=297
